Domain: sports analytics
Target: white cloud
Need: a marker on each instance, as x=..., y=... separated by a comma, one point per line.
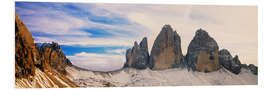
x=233, y=27
x=98, y=62
x=118, y=51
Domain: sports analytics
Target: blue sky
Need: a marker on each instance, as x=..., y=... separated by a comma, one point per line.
x=73, y=25
x=96, y=36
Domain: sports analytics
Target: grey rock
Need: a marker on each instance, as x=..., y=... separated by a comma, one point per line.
x=138, y=56
x=128, y=57
x=236, y=65
x=244, y=66
x=202, y=54
x=166, y=51
x=232, y=64
x=253, y=69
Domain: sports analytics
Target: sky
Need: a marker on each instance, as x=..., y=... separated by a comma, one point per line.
x=96, y=35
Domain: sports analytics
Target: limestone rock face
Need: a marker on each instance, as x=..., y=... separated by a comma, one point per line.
x=138, y=56
x=50, y=54
x=202, y=53
x=30, y=59
x=166, y=51
x=236, y=65
x=253, y=69
x=232, y=64
x=25, y=52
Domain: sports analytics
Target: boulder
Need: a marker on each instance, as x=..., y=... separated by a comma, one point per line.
x=236, y=65
x=232, y=64
x=253, y=69
x=138, y=56
x=202, y=54
x=166, y=51
x=25, y=51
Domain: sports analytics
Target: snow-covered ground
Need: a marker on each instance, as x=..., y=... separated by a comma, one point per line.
x=169, y=77
x=43, y=80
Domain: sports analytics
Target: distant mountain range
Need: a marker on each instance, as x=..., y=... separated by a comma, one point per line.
x=46, y=66
x=203, y=54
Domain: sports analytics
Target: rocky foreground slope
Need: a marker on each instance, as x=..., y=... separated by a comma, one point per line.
x=168, y=77
x=38, y=67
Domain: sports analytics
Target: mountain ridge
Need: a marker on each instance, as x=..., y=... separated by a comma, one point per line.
x=203, y=54
x=35, y=67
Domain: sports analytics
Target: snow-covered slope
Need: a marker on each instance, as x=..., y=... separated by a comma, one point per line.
x=169, y=77
x=45, y=80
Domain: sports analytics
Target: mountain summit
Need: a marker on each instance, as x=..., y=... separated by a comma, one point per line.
x=166, y=51
x=203, y=54
x=138, y=56
x=38, y=67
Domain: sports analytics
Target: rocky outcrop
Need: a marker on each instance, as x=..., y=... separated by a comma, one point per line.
x=138, y=56
x=232, y=64
x=25, y=52
x=30, y=59
x=253, y=69
x=51, y=55
x=202, y=53
x=166, y=51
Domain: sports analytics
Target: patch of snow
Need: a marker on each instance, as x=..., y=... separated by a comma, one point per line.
x=168, y=77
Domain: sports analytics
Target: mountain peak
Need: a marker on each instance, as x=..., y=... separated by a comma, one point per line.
x=202, y=52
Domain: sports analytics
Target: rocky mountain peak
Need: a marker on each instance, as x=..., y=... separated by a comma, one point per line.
x=51, y=55
x=166, y=27
x=200, y=33
x=25, y=51
x=227, y=61
x=138, y=56
x=202, y=52
x=166, y=51
x=143, y=44
x=253, y=69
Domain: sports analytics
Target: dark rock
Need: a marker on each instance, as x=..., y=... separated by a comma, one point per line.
x=253, y=69
x=232, y=64
x=202, y=53
x=128, y=58
x=236, y=65
x=166, y=51
x=138, y=56
x=244, y=66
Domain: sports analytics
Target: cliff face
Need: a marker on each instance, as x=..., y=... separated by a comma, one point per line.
x=25, y=52
x=138, y=56
x=39, y=67
x=166, y=51
x=228, y=62
x=202, y=53
x=51, y=55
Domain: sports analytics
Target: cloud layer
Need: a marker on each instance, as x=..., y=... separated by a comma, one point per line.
x=92, y=28
x=98, y=62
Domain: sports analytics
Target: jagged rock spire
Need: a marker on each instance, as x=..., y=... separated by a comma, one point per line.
x=202, y=53
x=166, y=51
x=138, y=56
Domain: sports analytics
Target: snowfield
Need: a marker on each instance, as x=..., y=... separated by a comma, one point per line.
x=169, y=77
